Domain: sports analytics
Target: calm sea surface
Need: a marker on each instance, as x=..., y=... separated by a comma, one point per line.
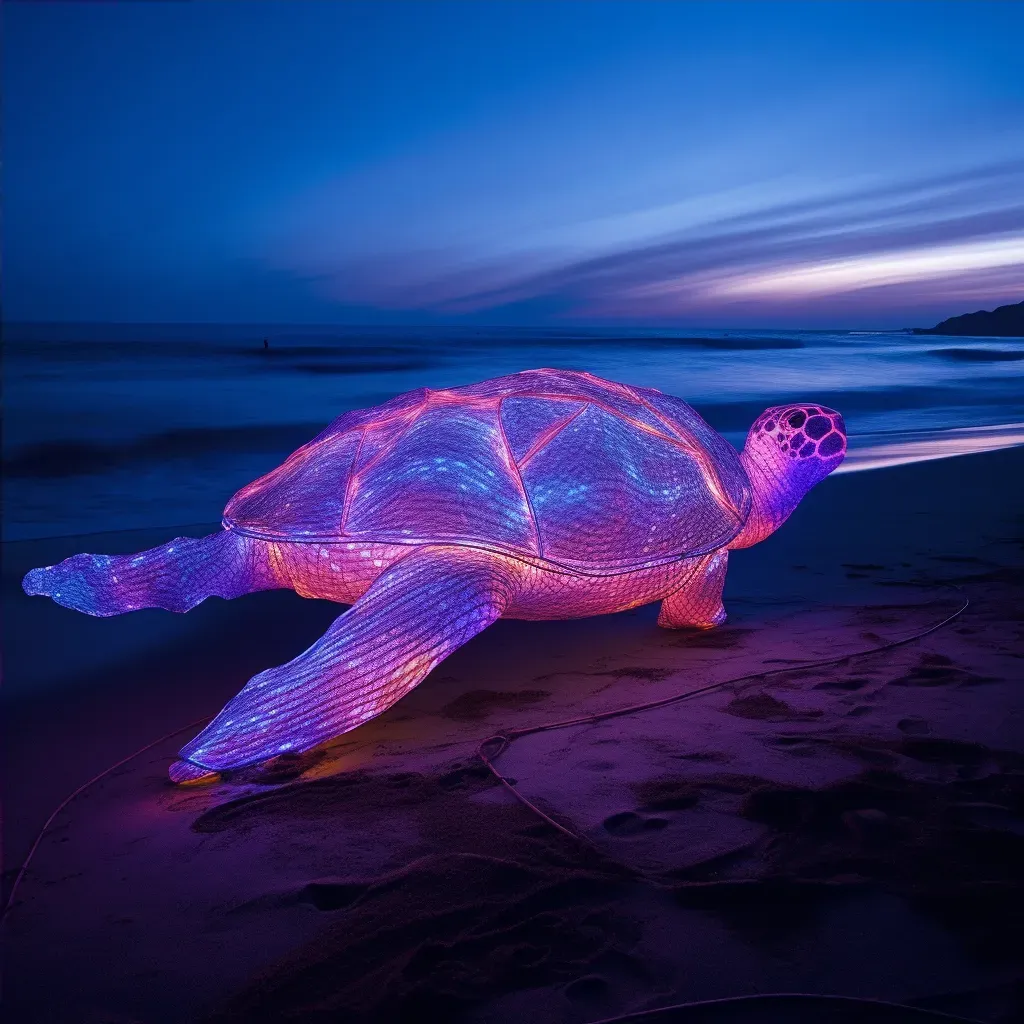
x=116, y=427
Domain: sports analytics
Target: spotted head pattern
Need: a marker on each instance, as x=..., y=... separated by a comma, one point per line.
x=789, y=449
x=803, y=431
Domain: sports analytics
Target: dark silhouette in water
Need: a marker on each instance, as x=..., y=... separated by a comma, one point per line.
x=266, y=345
x=1004, y=321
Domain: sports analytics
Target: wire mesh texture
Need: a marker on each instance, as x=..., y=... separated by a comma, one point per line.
x=547, y=494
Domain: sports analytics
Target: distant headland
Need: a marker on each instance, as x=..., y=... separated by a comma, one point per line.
x=1002, y=322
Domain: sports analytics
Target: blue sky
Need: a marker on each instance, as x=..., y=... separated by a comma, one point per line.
x=761, y=164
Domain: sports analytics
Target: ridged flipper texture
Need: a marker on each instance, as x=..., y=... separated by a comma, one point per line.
x=413, y=615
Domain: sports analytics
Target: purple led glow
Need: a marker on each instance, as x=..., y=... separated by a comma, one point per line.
x=547, y=494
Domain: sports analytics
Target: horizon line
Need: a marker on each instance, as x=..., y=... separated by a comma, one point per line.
x=459, y=326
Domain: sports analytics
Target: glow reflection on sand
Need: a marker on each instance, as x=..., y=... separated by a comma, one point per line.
x=926, y=445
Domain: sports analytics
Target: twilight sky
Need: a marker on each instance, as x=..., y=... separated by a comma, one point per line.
x=691, y=164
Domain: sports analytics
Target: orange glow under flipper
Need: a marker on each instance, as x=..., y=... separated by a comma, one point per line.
x=184, y=772
x=414, y=614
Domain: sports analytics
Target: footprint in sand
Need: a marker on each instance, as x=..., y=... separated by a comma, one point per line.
x=628, y=823
x=764, y=707
x=943, y=751
x=333, y=894
x=938, y=670
x=842, y=684
x=460, y=775
x=913, y=726
x=476, y=704
x=654, y=795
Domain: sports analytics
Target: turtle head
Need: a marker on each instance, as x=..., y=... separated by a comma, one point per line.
x=789, y=449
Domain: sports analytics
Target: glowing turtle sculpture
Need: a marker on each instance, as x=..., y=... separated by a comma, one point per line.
x=547, y=494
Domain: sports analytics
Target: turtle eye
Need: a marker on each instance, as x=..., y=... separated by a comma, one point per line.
x=797, y=419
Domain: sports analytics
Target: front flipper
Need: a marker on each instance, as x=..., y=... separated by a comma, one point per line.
x=175, y=576
x=698, y=601
x=414, y=614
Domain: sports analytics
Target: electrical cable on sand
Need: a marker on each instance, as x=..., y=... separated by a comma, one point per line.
x=81, y=789
x=675, y=1013
x=680, y=1013
x=504, y=739
x=684, y=1013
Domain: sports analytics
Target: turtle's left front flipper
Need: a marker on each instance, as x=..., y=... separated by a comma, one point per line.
x=414, y=614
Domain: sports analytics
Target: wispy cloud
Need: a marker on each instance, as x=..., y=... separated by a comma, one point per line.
x=959, y=233
x=508, y=162
x=835, y=276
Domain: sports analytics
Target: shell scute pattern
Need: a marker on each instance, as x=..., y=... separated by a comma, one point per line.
x=447, y=477
x=635, y=499
x=304, y=498
x=529, y=422
x=719, y=460
x=379, y=438
x=549, y=463
x=405, y=404
x=564, y=385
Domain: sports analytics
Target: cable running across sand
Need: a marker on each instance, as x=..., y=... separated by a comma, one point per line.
x=505, y=740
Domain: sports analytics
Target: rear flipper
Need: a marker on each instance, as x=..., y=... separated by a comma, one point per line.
x=175, y=576
x=698, y=601
x=414, y=614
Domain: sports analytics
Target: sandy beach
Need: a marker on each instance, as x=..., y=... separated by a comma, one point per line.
x=856, y=829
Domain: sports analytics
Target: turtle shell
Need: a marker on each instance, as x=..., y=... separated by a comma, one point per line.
x=551, y=466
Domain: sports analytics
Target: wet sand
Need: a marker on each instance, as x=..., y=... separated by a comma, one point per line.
x=855, y=829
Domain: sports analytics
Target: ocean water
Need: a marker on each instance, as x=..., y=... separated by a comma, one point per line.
x=111, y=427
